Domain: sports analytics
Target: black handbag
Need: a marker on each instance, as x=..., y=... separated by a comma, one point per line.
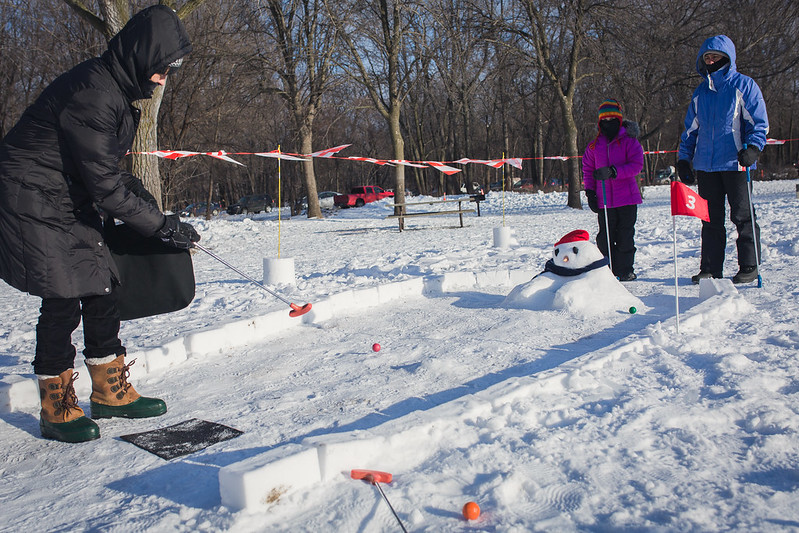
x=154, y=278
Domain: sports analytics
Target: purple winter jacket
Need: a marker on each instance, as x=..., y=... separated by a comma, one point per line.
x=626, y=154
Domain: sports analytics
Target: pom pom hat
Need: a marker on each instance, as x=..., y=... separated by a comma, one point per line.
x=610, y=109
x=573, y=236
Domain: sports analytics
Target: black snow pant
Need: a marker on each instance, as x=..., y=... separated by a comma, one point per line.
x=59, y=317
x=622, y=237
x=713, y=187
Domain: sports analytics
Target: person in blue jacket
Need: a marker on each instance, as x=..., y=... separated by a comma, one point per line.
x=725, y=131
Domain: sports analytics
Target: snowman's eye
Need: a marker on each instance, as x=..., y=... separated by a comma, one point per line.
x=557, y=251
x=575, y=250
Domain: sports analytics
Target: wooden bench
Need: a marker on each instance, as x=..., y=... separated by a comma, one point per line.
x=460, y=211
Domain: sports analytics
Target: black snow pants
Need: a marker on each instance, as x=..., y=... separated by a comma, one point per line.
x=622, y=237
x=59, y=317
x=713, y=187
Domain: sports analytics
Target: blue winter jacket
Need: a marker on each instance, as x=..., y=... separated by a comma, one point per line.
x=727, y=111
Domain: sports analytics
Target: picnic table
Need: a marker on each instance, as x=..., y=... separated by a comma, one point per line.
x=459, y=211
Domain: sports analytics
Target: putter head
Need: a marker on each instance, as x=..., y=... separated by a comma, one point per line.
x=296, y=310
x=371, y=476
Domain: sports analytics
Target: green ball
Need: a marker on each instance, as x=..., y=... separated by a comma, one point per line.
x=633, y=310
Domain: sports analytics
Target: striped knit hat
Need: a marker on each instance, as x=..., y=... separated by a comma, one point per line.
x=610, y=109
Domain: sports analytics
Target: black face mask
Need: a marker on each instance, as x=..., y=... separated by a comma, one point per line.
x=609, y=128
x=717, y=65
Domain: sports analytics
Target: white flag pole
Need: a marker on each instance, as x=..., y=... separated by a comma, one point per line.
x=676, y=290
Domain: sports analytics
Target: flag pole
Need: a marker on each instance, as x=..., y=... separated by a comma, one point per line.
x=676, y=285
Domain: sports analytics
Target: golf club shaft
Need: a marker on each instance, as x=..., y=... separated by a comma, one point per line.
x=607, y=226
x=383, y=494
x=251, y=280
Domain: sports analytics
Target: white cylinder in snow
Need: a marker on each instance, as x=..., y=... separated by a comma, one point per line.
x=278, y=271
x=503, y=238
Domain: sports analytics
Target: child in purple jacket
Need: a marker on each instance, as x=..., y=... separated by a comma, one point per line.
x=614, y=158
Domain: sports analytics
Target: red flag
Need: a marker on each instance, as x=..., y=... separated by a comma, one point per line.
x=684, y=201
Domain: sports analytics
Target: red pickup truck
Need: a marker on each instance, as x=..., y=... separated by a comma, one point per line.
x=359, y=196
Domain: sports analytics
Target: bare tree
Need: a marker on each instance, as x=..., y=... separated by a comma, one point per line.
x=377, y=33
x=304, y=43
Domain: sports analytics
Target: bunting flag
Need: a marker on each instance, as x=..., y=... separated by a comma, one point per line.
x=443, y=168
x=380, y=162
x=684, y=201
x=173, y=154
x=221, y=154
x=406, y=163
x=280, y=155
x=329, y=152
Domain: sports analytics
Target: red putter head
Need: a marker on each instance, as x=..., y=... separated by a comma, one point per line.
x=296, y=310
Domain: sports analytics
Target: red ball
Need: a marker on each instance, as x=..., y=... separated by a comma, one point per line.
x=471, y=511
x=375, y=347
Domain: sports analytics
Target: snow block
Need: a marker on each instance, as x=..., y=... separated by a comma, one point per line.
x=275, y=322
x=711, y=287
x=320, y=311
x=169, y=354
x=205, y=342
x=497, y=278
x=451, y=282
x=342, y=302
x=18, y=393
x=368, y=297
x=401, y=289
x=262, y=480
x=341, y=452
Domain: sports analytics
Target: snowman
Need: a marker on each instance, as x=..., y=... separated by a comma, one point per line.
x=576, y=279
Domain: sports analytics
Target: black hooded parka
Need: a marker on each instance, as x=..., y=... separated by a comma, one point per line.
x=61, y=162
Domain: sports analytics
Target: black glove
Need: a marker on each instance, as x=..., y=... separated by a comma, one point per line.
x=593, y=204
x=748, y=156
x=685, y=172
x=605, y=173
x=176, y=233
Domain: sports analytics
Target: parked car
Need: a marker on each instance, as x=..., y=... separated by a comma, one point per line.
x=524, y=186
x=254, y=203
x=664, y=176
x=359, y=196
x=199, y=209
x=325, y=200
x=497, y=185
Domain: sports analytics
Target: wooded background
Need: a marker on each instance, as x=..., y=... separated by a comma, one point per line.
x=412, y=79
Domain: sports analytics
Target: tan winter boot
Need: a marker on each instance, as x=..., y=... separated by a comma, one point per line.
x=112, y=395
x=61, y=418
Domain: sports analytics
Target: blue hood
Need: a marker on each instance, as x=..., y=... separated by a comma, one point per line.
x=719, y=43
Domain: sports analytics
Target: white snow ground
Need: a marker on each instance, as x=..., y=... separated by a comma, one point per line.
x=551, y=420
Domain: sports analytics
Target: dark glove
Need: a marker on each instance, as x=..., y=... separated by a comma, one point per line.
x=748, y=156
x=605, y=173
x=176, y=233
x=685, y=172
x=593, y=204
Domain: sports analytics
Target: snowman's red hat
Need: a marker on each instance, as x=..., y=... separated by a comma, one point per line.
x=573, y=236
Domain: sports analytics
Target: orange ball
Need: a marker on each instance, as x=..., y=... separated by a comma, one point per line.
x=471, y=511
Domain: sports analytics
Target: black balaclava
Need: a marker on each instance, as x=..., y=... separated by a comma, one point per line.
x=717, y=65
x=609, y=128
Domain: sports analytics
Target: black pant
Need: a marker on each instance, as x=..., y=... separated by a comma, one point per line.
x=60, y=317
x=713, y=187
x=621, y=221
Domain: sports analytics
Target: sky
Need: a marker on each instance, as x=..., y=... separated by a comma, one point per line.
x=572, y=415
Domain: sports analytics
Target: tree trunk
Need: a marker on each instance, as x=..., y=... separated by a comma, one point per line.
x=575, y=174
x=306, y=144
x=145, y=167
x=398, y=144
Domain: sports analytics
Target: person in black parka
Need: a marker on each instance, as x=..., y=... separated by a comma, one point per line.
x=59, y=167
